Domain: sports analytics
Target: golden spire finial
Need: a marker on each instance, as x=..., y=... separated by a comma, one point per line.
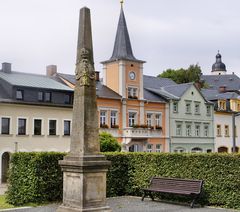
x=121, y=2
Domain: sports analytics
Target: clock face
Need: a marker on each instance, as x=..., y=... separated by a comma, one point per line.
x=132, y=75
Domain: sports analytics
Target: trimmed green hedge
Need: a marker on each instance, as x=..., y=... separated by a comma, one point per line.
x=128, y=174
x=34, y=178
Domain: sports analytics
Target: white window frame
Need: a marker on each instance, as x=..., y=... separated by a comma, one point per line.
x=135, y=117
x=132, y=92
x=103, y=120
x=26, y=126
x=149, y=119
x=10, y=124
x=188, y=106
x=112, y=117
x=158, y=121
x=54, y=119
x=219, y=130
x=63, y=126
x=35, y=118
x=197, y=108
x=206, y=130
x=178, y=129
x=175, y=107
x=208, y=109
x=149, y=149
x=188, y=130
x=226, y=134
x=197, y=130
x=158, y=149
x=196, y=150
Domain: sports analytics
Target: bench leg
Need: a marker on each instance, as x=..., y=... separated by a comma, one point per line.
x=192, y=203
x=143, y=196
x=150, y=194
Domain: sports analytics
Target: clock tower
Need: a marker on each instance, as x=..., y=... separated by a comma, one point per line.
x=123, y=73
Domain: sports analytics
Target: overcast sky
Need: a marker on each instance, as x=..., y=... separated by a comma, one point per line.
x=164, y=33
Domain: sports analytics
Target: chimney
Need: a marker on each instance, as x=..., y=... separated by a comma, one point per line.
x=51, y=70
x=97, y=76
x=7, y=67
x=222, y=89
x=198, y=85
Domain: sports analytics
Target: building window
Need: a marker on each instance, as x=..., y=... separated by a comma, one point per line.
x=37, y=127
x=149, y=119
x=40, y=96
x=222, y=105
x=149, y=148
x=206, y=129
x=188, y=130
x=19, y=94
x=175, y=107
x=132, y=93
x=197, y=130
x=158, y=121
x=158, y=147
x=179, y=150
x=197, y=108
x=196, y=150
x=67, y=127
x=208, y=107
x=103, y=118
x=48, y=97
x=218, y=130
x=52, y=127
x=179, y=129
x=5, y=128
x=238, y=107
x=132, y=119
x=114, y=119
x=67, y=98
x=22, y=124
x=226, y=131
x=209, y=150
x=188, y=107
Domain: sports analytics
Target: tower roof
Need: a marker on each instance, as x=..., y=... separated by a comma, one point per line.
x=122, y=47
x=218, y=65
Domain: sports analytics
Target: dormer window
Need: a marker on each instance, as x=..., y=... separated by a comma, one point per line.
x=48, y=97
x=132, y=93
x=222, y=105
x=19, y=94
x=40, y=96
x=67, y=98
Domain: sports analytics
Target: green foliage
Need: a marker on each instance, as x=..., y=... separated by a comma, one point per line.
x=108, y=143
x=191, y=74
x=34, y=177
x=220, y=173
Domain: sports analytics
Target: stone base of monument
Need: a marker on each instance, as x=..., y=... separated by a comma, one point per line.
x=84, y=183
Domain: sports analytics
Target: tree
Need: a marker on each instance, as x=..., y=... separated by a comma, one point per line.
x=191, y=74
x=108, y=143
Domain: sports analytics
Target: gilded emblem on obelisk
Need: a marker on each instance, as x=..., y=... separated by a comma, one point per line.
x=84, y=70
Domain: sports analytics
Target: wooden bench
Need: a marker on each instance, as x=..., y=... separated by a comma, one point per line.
x=192, y=188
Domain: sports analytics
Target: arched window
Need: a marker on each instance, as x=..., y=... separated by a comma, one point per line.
x=222, y=149
x=179, y=150
x=196, y=150
x=237, y=149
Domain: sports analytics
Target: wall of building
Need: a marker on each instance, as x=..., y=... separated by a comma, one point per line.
x=226, y=140
x=181, y=117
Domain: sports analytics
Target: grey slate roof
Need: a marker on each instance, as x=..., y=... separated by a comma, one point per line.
x=156, y=82
x=122, y=47
x=32, y=80
x=102, y=90
x=152, y=96
x=231, y=81
x=215, y=95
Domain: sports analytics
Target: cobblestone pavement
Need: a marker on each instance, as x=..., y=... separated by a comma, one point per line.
x=133, y=204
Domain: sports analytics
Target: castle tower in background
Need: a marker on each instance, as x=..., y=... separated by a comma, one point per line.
x=219, y=68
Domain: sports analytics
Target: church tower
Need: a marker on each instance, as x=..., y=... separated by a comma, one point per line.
x=218, y=68
x=123, y=73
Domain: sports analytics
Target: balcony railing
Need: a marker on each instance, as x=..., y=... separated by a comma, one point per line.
x=112, y=131
x=141, y=132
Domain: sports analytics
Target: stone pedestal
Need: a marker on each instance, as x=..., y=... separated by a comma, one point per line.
x=84, y=184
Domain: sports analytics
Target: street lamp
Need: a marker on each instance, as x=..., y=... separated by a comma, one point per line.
x=234, y=114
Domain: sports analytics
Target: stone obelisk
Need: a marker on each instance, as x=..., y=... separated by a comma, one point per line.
x=84, y=168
